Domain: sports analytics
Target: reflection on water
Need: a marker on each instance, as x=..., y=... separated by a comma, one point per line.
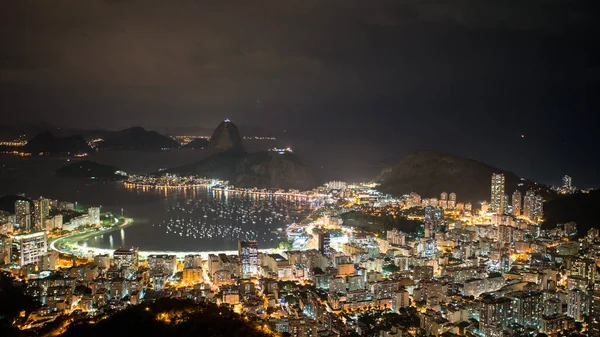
x=201, y=219
x=178, y=220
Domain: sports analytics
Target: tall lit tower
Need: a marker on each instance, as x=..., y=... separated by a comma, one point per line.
x=516, y=203
x=248, y=252
x=23, y=214
x=443, y=200
x=567, y=184
x=41, y=211
x=528, y=204
x=496, y=202
x=324, y=243
x=452, y=200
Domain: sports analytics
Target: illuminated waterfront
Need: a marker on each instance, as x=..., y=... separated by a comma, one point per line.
x=200, y=219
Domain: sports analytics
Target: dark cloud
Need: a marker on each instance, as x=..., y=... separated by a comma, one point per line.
x=431, y=69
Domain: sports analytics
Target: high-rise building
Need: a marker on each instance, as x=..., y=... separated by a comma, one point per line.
x=127, y=259
x=94, y=214
x=538, y=207
x=324, y=243
x=162, y=264
x=6, y=243
x=336, y=185
x=485, y=207
x=192, y=261
x=32, y=247
x=41, y=211
x=577, y=305
x=505, y=203
x=516, y=203
x=400, y=299
x=396, y=237
x=567, y=186
x=498, y=182
x=533, y=206
x=23, y=214
x=594, y=316
x=248, y=253
x=494, y=315
x=584, y=268
x=444, y=196
x=527, y=308
x=452, y=200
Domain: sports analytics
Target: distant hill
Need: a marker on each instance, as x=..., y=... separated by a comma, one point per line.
x=225, y=138
x=430, y=173
x=137, y=138
x=47, y=144
x=260, y=169
x=88, y=169
x=581, y=208
x=197, y=144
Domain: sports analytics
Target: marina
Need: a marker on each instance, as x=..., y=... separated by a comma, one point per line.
x=204, y=219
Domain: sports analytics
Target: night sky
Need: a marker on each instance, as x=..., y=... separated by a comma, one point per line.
x=350, y=82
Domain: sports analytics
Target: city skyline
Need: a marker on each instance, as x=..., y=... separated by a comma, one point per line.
x=300, y=168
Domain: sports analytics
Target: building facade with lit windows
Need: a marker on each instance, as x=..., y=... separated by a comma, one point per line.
x=527, y=308
x=41, y=208
x=594, y=316
x=497, y=195
x=567, y=184
x=248, y=253
x=517, y=199
x=533, y=206
x=23, y=214
x=32, y=247
x=494, y=315
x=127, y=259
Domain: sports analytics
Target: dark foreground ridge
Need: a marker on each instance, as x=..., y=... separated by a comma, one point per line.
x=169, y=317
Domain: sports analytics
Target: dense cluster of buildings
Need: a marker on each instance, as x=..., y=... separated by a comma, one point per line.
x=24, y=233
x=497, y=274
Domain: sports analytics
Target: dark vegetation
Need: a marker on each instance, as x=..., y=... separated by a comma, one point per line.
x=582, y=208
x=380, y=224
x=169, y=317
x=12, y=301
x=377, y=321
x=88, y=169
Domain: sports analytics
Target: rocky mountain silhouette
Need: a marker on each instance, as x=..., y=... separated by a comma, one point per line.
x=264, y=169
x=137, y=138
x=46, y=143
x=225, y=138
